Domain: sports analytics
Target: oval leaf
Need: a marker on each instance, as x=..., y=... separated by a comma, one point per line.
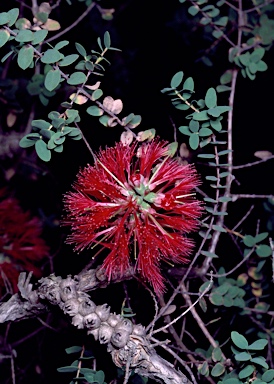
x=177, y=79
x=218, y=370
x=211, y=98
x=247, y=371
x=52, y=79
x=4, y=37
x=258, y=344
x=25, y=57
x=77, y=78
x=194, y=141
x=239, y=340
x=42, y=150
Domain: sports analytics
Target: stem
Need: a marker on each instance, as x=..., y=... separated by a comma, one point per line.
x=77, y=21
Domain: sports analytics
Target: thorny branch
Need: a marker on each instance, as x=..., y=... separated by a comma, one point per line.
x=129, y=345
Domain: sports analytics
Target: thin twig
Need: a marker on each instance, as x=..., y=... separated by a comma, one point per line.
x=187, y=310
x=87, y=143
x=80, y=18
x=178, y=359
x=200, y=321
x=243, y=218
x=253, y=163
x=259, y=6
x=250, y=196
x=236, y=266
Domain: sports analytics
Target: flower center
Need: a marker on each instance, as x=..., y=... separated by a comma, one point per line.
x=142, y=196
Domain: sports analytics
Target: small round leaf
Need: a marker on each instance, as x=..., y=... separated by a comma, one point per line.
x=42, y=150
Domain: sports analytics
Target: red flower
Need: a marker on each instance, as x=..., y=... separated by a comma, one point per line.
x=135, y=200
x=21, y=246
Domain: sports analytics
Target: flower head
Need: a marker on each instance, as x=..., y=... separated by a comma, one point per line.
x=138, y=202
x=21, y=245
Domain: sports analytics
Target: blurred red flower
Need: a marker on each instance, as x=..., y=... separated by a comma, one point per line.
x=135, y=200
x=21, y=245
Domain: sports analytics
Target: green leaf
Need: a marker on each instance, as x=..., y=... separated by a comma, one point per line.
x=81, y=49
x=247, y=371
x=249, y=241
x=99, y=377
x=194, y=126
x=104, y=120
x=25, y=142
x=52, y=80
x=216, y=299
x=25, y=57
x=42, y=150
x=268, y=375
x=177, y=79
x=222, y=88
x=68, y=60
x=261, y=66
x=24, y=36
x=193, y=10
x=211, y=98
x=217, y=34
x=51, y=56
x=4, y=18
x=261, y=236
x=228, y=301
x=107, y=39
x=222, y=21
x=6, y=56
x=74, y=132
x=61, y=44
x=185, y=130
x=41, y=124
x=218, y=228
x=216, y=124
x=68, y=369
x=39, y=36
x=194, y=141
x=42, y=16
x=243, y=356
x=96, y=94
x=218, y=370
x=232, y=380
x=89, y=376
x=99, y=43
x=59, y=148
x=203, y=368
x=206, y=155
x=261, y=361
x=244, y=58
x=258, y=345
x=209, y=254
x=77, y=78
x=12, y=15
x=4, y=37
x=188, y=84
x=211, y=178
x=224, y=199
x=239, y=340
x=74, y=349
x=263, y=250
x=257, y=55
x=217, y=111
x=205, y=132
x=200, y=116
x=135, y=121
x=95, y=111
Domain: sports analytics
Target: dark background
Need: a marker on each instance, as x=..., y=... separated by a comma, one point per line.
x=157, y=40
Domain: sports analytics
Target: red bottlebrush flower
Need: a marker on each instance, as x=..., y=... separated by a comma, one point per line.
x=135, y=200
x=21, y=245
